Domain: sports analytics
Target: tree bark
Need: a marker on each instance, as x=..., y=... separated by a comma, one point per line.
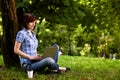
x=10, y=28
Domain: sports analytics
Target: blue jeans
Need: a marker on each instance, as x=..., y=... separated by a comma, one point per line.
x=57, y=52
x=39, y=66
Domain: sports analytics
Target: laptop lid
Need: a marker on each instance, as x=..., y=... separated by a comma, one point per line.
x=49, y=52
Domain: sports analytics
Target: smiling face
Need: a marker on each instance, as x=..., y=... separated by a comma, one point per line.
x=29, y=21
x=31, y=25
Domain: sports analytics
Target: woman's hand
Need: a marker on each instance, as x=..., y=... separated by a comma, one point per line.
x=36, y=57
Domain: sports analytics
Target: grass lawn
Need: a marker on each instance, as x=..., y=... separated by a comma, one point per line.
x=82, y=68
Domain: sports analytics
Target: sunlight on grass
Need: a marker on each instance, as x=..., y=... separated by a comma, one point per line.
x=82, y=68
x=93, y=68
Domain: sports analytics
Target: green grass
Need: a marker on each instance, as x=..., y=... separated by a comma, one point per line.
x=82, y=68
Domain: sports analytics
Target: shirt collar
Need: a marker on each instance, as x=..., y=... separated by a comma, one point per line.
x=28, y=31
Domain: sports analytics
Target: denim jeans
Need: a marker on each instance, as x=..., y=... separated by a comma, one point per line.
x=57, y=52
x=38, y=66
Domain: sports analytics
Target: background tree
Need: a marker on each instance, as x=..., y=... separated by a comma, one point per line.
x=10, y=23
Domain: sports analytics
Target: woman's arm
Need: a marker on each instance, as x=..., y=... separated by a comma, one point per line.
x=20, y=53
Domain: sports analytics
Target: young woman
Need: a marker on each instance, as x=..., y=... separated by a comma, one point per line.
x=26, y=46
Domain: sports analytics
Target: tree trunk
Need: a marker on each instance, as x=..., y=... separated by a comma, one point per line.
x=10, y=28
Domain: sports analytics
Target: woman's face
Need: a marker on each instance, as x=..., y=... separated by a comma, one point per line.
x=31, y=25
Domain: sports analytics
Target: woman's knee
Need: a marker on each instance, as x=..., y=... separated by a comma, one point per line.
x=49, y=59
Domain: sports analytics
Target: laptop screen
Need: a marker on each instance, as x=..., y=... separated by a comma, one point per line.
x=49, y=52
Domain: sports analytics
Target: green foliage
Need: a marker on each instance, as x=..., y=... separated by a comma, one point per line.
x=50, y=34
x=22, y=3
x=116, y=41
x=74, y=23
x=60, y=12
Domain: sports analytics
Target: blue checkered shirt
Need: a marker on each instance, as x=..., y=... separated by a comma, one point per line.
x=29, y=44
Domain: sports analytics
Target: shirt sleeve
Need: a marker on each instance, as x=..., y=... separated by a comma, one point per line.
x=20, y=37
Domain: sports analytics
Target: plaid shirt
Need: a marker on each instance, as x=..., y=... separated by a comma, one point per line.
x=29, y=44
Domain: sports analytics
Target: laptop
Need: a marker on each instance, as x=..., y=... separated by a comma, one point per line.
x=49, y=52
